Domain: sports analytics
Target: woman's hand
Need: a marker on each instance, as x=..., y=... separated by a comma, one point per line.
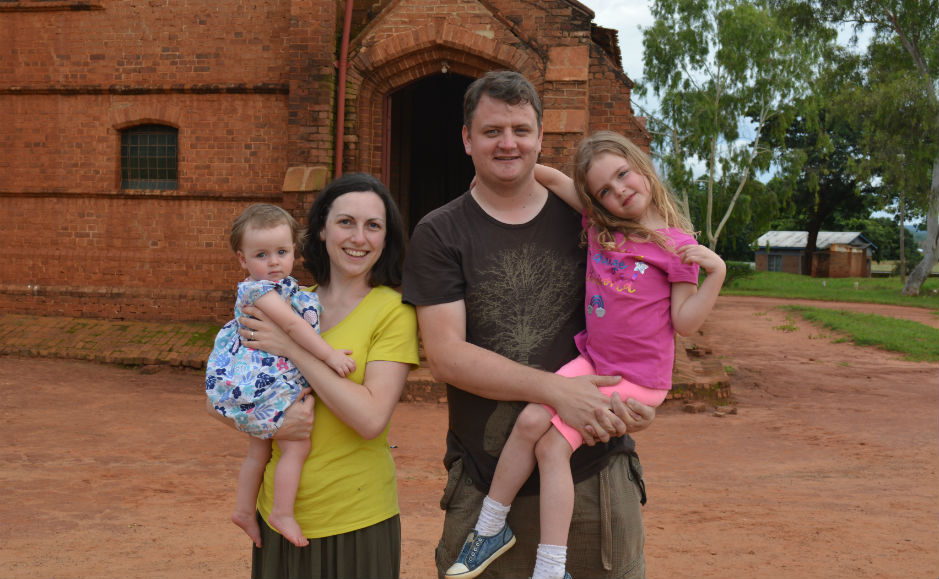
x=298, y=419
x=261, y=333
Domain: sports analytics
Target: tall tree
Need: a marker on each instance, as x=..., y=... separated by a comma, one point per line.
x=718, y=66
x=897, y=104
x=814, y=180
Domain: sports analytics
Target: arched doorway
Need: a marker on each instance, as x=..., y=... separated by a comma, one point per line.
x=428, y=166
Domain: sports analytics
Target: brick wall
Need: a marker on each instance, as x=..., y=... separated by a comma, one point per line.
x=841, y=261
x=229, y=144
x=120, y=258
x=581, y=88
x=792, y=263
x=144, y=44
x=251, y=88
x=243, y=84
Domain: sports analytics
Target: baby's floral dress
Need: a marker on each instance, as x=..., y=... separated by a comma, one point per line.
x=248, y=386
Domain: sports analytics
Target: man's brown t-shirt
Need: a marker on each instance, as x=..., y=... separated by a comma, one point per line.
x=523, y=286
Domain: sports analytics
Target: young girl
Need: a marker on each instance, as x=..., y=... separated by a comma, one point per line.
x=642, y=273
x=254, y=388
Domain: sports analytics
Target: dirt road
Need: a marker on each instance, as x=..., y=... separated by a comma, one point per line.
x=830, y=468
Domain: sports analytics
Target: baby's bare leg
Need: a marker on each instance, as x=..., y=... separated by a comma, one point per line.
x=286, y=481
x=249, y=482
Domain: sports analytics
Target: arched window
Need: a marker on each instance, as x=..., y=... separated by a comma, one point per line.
x=149, y=157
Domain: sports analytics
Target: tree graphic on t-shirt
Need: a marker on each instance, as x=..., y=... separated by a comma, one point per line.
x=526, y=299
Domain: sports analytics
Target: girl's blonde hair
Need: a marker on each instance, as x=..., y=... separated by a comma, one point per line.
x=598, y=217
x=263, y=216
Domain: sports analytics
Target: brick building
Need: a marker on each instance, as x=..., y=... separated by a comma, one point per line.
x=133, y=132
x=837, y=253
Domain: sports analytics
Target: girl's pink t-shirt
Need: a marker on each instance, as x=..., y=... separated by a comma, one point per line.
x=629, y=330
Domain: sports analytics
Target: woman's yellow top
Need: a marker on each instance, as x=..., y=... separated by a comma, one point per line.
x=348, y=483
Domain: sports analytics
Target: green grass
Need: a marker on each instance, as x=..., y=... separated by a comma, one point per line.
x=204, y=337
x=884, y=290
x=916, y=341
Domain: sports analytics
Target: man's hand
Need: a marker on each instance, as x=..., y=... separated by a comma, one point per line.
x=626, y=417
x=578, y=401
x=636, y=415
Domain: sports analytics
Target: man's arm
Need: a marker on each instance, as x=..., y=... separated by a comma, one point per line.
x=484, y=373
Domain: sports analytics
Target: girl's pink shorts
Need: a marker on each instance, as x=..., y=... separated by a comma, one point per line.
x=581, y=367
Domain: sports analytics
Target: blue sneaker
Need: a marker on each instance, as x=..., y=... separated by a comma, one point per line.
x=478, y=552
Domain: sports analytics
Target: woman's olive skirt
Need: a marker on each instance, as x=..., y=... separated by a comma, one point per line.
x=374, y=551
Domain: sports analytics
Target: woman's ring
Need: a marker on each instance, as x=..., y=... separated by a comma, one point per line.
x=252, y=335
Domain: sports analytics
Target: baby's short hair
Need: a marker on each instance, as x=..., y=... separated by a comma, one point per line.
x=262, y=216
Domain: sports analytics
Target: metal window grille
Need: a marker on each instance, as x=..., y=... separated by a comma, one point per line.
x=774, y=263
x=149, y=157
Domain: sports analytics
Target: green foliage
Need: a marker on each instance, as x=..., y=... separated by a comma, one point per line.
x=752, y=216
x=885, y=234
x=788, y=326
x=894, y=104
x=753, y=87
x=737, y=270
x=916, y=341
x=815, y=182
x=873, y=290
x=716, y=65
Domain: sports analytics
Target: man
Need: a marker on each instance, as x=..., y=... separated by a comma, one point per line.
x=497, y=276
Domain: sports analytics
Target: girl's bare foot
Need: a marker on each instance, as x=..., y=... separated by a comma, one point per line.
x=249, y=524
x=289, y=528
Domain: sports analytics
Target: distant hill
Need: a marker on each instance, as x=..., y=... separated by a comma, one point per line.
x=918, y=235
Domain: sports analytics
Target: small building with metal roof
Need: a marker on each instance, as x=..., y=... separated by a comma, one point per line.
x=837, y=253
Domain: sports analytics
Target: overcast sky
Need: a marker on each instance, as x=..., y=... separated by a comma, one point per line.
x=624, y=16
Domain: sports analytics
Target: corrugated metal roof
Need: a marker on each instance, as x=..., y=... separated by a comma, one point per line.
x=797, y=239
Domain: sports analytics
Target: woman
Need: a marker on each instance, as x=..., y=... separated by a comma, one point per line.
x=347, y=503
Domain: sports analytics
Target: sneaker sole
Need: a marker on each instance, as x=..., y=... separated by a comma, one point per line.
x=479, y=570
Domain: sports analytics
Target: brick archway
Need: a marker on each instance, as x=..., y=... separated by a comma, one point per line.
x=125, y=115
x=380, y=69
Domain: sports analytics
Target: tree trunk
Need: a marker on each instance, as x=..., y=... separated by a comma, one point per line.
x=811, y=242
x=902, y=208
x=931, y=246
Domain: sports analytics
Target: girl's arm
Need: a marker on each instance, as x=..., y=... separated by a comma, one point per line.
x=560, y=184
x=279, y=312
x=690, y=304
x=366, y=407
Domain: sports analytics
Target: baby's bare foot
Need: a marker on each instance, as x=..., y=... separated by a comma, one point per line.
x=249, y=524
x=289, y=528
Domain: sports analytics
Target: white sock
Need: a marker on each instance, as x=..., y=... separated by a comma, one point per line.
x=550, y=562
x=491, y=517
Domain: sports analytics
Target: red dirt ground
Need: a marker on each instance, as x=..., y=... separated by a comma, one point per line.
x=828, y=469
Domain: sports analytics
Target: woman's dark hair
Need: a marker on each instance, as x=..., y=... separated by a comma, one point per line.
x=387, y=270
